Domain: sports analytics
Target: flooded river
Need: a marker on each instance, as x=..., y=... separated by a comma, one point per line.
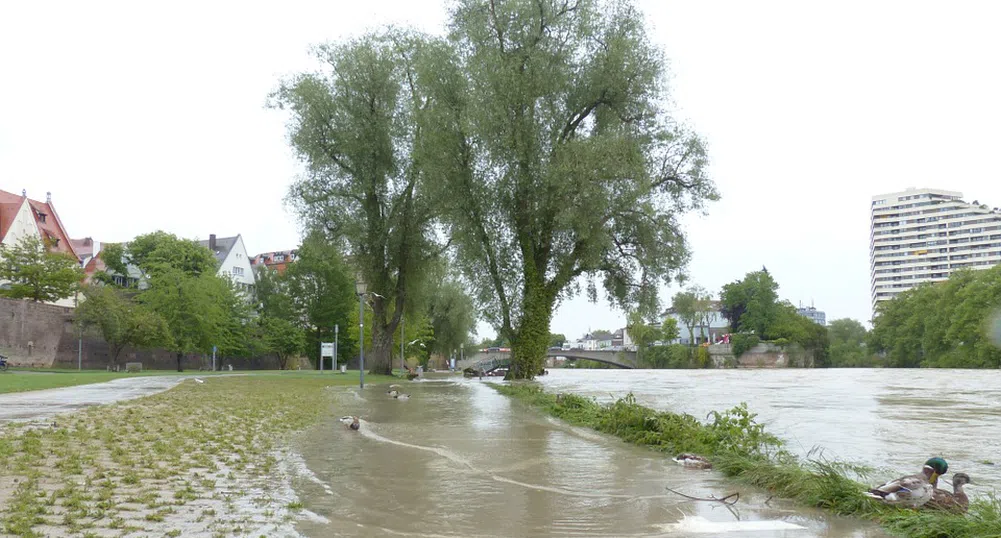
x=457, y=459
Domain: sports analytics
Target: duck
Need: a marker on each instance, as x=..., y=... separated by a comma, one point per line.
x=351, y=422
x=911, y=491
x=394, y=386
x=693, y=461
x=957, y=501
x=394, y=393
x=402, y=396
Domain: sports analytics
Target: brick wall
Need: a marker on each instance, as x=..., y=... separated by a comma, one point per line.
x=41, y=335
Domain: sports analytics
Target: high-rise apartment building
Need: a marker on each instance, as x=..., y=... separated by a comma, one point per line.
x=923, y=235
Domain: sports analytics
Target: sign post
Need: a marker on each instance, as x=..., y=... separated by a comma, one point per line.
x=334, y=363
x=326, y=350
x=214, y=348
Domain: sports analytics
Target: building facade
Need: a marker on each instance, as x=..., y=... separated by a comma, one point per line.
x=234, y=263
x=811, y=313
x=924, y=235
x=278, y=260
x=712, y=331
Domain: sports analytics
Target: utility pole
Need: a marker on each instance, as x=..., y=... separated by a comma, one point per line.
x=403, y=365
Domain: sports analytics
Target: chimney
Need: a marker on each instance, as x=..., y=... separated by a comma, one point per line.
x=24, y=193
x=48, y=197
x=212, y=242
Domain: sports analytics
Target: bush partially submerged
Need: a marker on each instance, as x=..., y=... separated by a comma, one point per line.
x=740, y=448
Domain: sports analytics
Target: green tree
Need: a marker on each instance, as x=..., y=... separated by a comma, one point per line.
x=283, y=338
x=669, y=330
x=161, y=251
x=34, y=272
x=642, y=333
x=353, y=124
x=453, y=318
x=556, y=339
x=545, y=108
x=848, y=344
x=121, y=322
x=694, y=307
x=751, y=304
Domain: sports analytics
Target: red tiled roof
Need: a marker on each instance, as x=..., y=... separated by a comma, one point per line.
x=51, y=229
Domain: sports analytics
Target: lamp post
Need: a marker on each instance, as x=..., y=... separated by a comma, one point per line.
x=360, y=290
x=403, y=365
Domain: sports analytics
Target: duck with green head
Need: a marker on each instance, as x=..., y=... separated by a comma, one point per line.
x=914, y=490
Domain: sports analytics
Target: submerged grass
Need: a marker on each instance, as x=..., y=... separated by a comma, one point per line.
x=149, y=463
x=741, y=449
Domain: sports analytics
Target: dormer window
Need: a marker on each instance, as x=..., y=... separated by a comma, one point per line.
x=41, y=217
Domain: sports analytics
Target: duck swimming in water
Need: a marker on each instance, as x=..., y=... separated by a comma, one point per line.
x=402, y=396
x=914, y=490
x=693, y=461
x=394, y=393
x=957, y=501
x=351, y=422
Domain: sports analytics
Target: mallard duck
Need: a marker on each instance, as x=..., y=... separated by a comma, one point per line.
x=351, y=422
x=693, y=461
x=394, y=386
x=402, y=396
x=394, y=393
x=957, y=501
x=914, y=490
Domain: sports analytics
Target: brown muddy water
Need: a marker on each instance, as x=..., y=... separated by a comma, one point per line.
x=457, y=459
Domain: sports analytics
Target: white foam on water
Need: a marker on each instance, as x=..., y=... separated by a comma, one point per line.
x=701, y=525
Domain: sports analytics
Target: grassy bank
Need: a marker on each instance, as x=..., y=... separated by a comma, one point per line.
x=198, y=458
x=741, y=449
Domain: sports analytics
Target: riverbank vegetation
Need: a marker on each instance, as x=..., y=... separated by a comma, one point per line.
x=200, y=458
x=740, y=448
x=951, y=324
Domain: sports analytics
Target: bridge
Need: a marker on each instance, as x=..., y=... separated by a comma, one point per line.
x=489, y=360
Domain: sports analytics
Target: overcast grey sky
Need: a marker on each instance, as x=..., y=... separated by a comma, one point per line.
x=140, y=117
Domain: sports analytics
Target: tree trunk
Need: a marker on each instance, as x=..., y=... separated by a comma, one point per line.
x=381, y=354
x=531, y=338
x=180, y=357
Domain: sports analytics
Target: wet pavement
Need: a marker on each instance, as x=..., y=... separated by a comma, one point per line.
x=43, y=404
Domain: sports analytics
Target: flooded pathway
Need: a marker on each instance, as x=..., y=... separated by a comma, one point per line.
x=41, y=404
x=457, y=459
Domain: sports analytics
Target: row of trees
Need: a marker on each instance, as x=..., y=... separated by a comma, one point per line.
x=485, y=146
x=952, y=324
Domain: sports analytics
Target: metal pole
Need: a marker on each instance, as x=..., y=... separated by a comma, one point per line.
x=361, y=340
x=79, y=343
x=334, y=361
x=403, y=336
x=321, y=357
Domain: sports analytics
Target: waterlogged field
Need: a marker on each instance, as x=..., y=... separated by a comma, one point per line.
x=199, y=459
x=741, y=449
x=27, y=380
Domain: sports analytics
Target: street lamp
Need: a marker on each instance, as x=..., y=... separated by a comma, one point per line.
x=360, y=289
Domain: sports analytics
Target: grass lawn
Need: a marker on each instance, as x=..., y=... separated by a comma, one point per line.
x=37, y=379
x=201, y=458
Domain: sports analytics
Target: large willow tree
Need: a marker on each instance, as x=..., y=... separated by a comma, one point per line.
x=353, y=125
x=557, y=165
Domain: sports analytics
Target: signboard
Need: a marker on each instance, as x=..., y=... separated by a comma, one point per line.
x=326, y=349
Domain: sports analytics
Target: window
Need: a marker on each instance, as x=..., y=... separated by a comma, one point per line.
x=238, y=271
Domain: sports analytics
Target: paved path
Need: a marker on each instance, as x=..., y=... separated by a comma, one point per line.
x=38, y=404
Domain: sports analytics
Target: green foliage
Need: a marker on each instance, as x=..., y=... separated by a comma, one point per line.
x=675, y=356
x=157, y=252
x=940, y=325
x=740, y=343
x=642, y=333
x=536, y=112
x=452, y=316
x=556, y=340
x=848, y=344
x=750, y=305
x=353, y=124
x=694, y=307
x=121, y=321
x=740, y=448
x=284, y=338
x=316, y=292
x=669, y=331
x=33, y=272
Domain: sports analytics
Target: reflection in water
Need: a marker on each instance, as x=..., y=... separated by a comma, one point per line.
x=460, y=460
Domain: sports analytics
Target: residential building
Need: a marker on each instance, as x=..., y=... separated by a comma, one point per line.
x=817, y=316
x=278, y=260
x=712, y=330
x=924, y=235
x=621, y=339
x=95, y=264
x=21, y=218
x=234, y=263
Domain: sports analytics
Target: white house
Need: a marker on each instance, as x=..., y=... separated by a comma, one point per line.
x=234, y=263
x=22, y=218
x=713, y=331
